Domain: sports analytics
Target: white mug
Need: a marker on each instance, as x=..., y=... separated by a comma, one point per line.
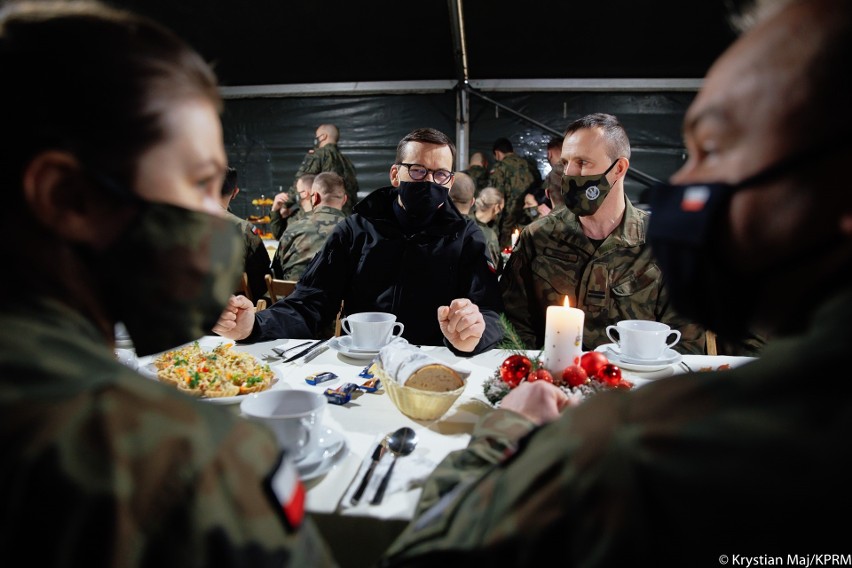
x=294, y=415
x=642, y=339
x=371, y=330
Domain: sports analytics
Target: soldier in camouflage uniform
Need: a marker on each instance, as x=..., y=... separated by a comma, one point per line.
x=123, y=174
x=512, y=176
x=305, y=236
x=256, y=259
x=461, y=194
x=594, y=252
x=478, y=171
x=327, y=157
x=710, y=468
x=281, y=214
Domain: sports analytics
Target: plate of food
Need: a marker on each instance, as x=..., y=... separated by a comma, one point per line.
x=219, y=375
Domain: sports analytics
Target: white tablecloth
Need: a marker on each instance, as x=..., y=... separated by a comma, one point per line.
x=370, y=415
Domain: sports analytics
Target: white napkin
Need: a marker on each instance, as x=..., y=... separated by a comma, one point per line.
x=409, y=472
x=400, y=360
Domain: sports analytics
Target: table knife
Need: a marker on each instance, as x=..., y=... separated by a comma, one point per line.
x=377, y=456
x=304, y=351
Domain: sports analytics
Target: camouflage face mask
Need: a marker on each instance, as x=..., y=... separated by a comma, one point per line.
x=169, y=276
x=584, y=194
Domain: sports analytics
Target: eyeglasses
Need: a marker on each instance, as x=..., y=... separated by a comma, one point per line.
x=419, y=172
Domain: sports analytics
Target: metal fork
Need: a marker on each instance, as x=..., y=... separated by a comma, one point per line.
x=280, y=352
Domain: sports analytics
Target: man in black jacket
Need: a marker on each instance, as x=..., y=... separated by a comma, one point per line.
x=405, y=250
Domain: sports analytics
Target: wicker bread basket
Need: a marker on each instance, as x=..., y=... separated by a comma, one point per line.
x=416, y=403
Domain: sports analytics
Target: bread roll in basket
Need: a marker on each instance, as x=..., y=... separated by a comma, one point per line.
x=428, y=392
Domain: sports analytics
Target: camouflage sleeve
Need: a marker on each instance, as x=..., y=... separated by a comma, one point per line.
x=231, y=508
x=494, y=438
x=516, y=294
x=277, y=224
x=282, y=253
x=440, y=512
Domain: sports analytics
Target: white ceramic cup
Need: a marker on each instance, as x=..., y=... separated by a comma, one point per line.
x=371, y=330
x=642, y=339
x=294, y=415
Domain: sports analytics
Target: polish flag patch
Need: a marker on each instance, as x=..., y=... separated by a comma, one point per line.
x=695, y=198
x=288, y=491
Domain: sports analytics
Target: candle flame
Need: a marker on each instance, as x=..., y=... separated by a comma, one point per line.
x=517, y=232
x=566, y=303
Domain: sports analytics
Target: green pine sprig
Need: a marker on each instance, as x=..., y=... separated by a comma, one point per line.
x=512, y=342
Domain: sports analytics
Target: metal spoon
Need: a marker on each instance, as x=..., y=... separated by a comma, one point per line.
x=400, y=443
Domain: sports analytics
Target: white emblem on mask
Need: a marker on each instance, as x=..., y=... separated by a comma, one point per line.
x=592, y=193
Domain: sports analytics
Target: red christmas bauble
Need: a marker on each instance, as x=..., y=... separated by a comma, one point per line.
x=514, y=369
x=574, y=376
x=610, y=374
x=592, y=362
x=540, y=375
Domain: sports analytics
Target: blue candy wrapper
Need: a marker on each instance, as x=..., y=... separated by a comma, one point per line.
x=318, y=378
x=367, y=372
x=341, y=395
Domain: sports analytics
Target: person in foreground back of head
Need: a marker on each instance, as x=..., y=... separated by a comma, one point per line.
x=122, y=176
x=745, y=466
x=405, y=250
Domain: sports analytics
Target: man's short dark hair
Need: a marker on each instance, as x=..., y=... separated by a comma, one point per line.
x=424, y=136
x=503, y=145
x=229, y=184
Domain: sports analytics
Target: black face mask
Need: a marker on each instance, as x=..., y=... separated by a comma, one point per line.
x=421, y=199
x=686, y=234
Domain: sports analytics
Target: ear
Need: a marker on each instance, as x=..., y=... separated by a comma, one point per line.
x=394, y=175
x=620, y=169
x=60, y=197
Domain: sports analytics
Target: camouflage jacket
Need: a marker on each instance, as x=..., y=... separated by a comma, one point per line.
x=512, y=176
x=256, y=258
x=618, y=280
x=301, y=241
x=330, y=159
x=479, y=175
x=278, y=224
x=684, y=471
x=491, y=242
x=104, y=467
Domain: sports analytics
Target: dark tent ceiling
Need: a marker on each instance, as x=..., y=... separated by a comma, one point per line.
x=267, y=42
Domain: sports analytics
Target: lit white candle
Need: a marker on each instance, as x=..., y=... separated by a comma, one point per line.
x=515, y=237
x=563, y=337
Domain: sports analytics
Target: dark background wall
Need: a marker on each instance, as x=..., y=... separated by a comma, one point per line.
x=267, y=138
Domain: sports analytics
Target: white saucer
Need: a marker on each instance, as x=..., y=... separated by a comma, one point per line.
x=343, y=345
x=613, y=353
x=321, y=459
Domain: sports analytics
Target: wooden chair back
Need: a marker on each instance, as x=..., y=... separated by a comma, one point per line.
x=277, y=288
x=245, y=289
x=710, y=341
